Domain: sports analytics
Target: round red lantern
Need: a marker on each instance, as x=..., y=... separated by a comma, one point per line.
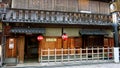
x=39, y=38
x=64, y=36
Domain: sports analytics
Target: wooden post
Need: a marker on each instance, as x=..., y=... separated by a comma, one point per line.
x=103, y=53
x=55, y=55
x=98, y=52
x=41, y=55
x=81, y=54
x=48, y=55
x=68, y=54
x=92, y=54
x=86, y=53
x=74, y=55
x=108, y=53
x=62, y=55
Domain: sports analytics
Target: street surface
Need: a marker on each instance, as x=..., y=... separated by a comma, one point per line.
x=103, y=65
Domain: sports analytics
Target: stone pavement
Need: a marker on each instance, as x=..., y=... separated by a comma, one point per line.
x=102, y=65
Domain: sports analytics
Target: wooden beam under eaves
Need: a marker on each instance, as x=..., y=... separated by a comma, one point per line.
x=108, y=1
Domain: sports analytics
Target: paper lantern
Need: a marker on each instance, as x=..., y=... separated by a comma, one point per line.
x=39, y=38
x=64, y=36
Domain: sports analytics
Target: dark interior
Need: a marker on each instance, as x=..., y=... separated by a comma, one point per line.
x=93, y=41
x=31, y=48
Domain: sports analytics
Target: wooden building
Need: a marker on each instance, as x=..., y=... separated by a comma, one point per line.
x=87, y=23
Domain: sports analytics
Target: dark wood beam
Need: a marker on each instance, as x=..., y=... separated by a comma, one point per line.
x=108, y=1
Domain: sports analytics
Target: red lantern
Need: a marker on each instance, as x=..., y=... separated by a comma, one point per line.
x=64, y=36
x=39, y=38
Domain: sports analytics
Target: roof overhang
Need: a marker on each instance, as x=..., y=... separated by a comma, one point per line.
x=93, y=32
x=28, y=30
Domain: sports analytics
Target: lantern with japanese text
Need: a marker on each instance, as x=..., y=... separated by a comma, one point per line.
x=64, y=36
x=40, y=37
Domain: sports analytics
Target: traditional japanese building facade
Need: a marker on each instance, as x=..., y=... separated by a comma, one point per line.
x=87, y=23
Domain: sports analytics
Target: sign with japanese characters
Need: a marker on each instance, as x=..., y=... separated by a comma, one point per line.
x=11, y=43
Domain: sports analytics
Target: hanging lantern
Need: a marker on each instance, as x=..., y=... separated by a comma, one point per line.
x=39, y=38
x=64, y=36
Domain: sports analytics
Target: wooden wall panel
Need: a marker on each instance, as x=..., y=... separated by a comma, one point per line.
x=59, y=5
x=59, y=45
x=94, y=6
x=6, y=30
x=63, y=5
x=36, y=4
x=14, y=4
x=22, y=4
x=108, y=42
x=65, y=45
x=11, y=52
x=50, y=45
x=26, y=3
x=72, y=5
x=78, y=44
x=105, y=42
x=84, y=5
x=107, y=9
x=48, y=4
x=21, y=44
x=45, y=45
x=71, y=45
x=111, y=42
x=104, y=8
x=31, y=4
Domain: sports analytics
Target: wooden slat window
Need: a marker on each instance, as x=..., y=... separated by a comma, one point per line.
x=104, y=8
x=48, y=5
x=94, y=4
x=84, y=5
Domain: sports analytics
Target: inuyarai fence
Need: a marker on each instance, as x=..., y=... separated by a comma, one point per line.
x=77, y=55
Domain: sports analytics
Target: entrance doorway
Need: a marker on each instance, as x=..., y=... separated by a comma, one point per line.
x=31, y=49
x=93, y=41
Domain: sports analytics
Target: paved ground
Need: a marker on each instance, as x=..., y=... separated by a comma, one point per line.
x=103, y=65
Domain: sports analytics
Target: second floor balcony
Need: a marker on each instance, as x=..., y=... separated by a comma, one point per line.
x=56, y=17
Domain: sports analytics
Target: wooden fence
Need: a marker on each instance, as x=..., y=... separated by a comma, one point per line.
x=66, y=55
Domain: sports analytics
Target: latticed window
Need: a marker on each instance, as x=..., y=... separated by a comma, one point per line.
x=63, y=5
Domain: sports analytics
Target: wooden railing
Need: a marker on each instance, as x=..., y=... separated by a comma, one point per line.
x=55, y=17
x=66, y=55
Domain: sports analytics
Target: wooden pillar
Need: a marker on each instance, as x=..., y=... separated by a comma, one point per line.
x=21, y=44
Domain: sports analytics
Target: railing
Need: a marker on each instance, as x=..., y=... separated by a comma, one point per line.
x=36, y=16
x=67, y=55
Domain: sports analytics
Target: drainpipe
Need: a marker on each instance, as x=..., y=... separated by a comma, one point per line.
x=2, y=46
x=116, y=35
x=114, y=9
